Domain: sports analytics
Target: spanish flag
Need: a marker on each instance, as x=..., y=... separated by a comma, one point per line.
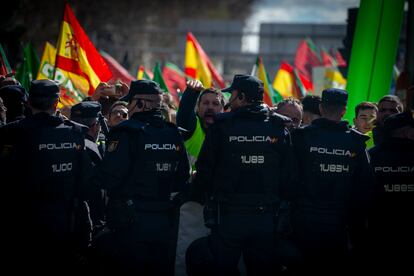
x=198, y=65
x=71, y=89
x=284, y=81
x=270, y=96
x=143, y=73
x=76, y=53
x=289, y=83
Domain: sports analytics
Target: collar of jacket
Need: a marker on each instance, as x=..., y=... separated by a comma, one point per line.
x=398, y=143
x=152, y=117
x=331, y=125
x=253, y=110
x=49, y=119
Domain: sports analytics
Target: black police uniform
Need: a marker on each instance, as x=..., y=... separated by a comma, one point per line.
x=145, y=162
x=242, y=168
x=88, y=110
x=91, y=111
x=332, y=190
x=43, y=160
x=391, y=226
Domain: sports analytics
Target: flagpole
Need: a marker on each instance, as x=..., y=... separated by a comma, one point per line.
x=254, y=69
x=59, y=38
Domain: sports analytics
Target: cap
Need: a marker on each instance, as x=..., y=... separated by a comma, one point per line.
x=13, y=94
x=142, y=87
x=44, y=89
x=334, y=96
x=398, y=120
x=84, y=110
x=247, y=84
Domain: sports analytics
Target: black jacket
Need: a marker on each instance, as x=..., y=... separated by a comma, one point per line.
x=45, y=163
x=393, y=164
x=334, y=181
x=186, y=115
x=245, y=158
x=145, y=158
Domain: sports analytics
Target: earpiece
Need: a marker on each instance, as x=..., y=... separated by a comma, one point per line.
x=240, y=96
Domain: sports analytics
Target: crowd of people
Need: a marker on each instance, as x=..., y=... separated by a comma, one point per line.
x=124, y=183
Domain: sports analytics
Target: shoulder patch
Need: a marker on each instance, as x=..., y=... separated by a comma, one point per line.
x=112, y=146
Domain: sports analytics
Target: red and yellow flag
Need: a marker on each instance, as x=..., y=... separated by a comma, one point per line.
x=270, y=96
x=290, y=83
x=72, y=86
x=198, y=64
x=284, y=81
x=144, y=73
x=76, y=53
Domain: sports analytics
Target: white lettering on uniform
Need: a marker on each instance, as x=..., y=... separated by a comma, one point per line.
x=160, y=147
x=335, y=168
x=403, y=169
x=62, y=167
x=247, y=139
x=338, y=152
x=399, y=188
x=252, y=159
x=164, y=167
x=57, y=146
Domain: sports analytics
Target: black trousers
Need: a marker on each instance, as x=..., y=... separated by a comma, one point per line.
x=249, y=234
x=323, y=245
x=144, y=248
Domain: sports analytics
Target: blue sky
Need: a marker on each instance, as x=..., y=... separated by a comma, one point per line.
x=298, y=11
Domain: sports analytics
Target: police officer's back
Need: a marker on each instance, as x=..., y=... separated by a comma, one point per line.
x=87, y=113
x=145, y=162
x=242, y=168
x=333, y=185
x=43, y=158
x=391, y=226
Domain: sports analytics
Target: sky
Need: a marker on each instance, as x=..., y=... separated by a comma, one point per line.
x=294, y=11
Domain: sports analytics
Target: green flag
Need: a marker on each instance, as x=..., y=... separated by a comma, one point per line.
x=27, y=71
x=159, y=78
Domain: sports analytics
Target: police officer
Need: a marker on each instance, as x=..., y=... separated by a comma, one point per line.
x=387, y=105
x=43, y=160
x=87, y=113
x=15, y=99
x=391, y=227
x=145, y=162
x=242, y=168
x=333, y=189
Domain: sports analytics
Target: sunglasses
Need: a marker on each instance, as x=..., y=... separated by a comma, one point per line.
x=122, y=113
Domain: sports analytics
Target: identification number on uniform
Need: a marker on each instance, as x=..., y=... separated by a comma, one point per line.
x=252, y=159
x=62, y=167
x=389, y=188
x=334, y=168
